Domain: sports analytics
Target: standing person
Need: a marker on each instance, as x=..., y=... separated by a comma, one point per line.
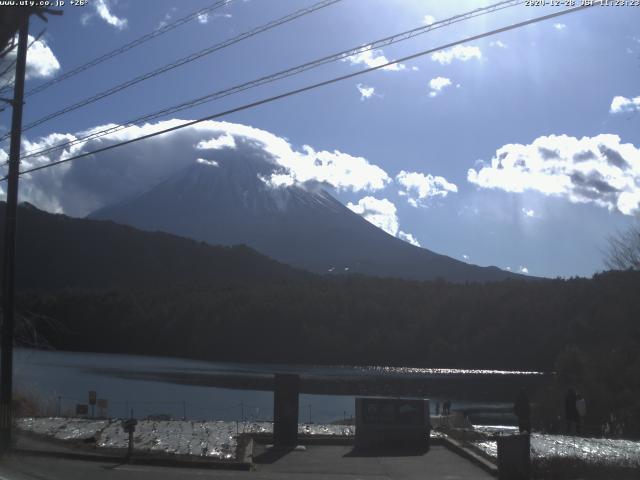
x=571, y=411
x=522, y=409
x=581, y=408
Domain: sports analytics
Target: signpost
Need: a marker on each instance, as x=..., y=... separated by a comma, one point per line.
x=129, y=427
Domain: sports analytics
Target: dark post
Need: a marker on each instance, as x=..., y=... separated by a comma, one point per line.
x=285, y=410
x=129, y=427
x=8, y=272
x=514, y=457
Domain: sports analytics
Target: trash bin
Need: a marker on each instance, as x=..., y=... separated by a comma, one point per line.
x=514, y=457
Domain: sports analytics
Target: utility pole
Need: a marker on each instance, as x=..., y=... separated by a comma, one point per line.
x=15, y=20
x=8, y=268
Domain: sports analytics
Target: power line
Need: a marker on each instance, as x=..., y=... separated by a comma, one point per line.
x=182, y=61
x=280, y=75
x=124, y=48
x=13, y=63
x=309, y=87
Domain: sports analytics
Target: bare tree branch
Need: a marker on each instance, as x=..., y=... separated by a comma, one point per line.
x=623, y=252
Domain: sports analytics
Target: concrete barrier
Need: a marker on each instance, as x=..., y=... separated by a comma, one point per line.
x=514, y=457
x=285, y=410
x=392, y=422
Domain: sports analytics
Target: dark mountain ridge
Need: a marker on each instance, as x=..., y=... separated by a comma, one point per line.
x=56, y=251
x=230, y=203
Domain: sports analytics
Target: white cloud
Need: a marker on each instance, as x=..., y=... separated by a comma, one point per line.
x=407, y=237
x=497, y=43
x=373, y=58
x=78, y=188
x=599, y=170
x=621, y=104
x=523, y=269
x=85, y=18
x=414, y=68
x=465, y=258
x=167, y=16
x=204, y=18
x=463, y=53
x=529, y=212
x=365, y=92
x=103, y=10
x=437, y=84
x=383, y=214
x=337, y=169
x=418, y=187
x=223, y=141
x=429, y=20
x=278, y=180
x=41, y=62
x=211, y=163
x=559, y=26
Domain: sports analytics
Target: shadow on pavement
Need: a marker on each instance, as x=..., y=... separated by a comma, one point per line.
x=388, y=452
x=272, y=455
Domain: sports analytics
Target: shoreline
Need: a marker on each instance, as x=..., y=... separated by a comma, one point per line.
x=487, y=387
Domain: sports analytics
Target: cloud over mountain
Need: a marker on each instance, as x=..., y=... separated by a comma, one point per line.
x=383, y=214
x=79, y=187
x=599, y=170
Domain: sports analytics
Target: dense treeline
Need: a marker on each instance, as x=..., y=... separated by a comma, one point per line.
x=512, y=324
x=586, y=329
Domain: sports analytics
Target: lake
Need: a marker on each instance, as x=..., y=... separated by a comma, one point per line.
x=195, y=389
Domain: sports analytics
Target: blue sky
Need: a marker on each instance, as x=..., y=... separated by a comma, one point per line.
x=520, y=150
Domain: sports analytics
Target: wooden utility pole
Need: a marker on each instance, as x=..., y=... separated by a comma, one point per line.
x=16, y=19
x=8, y=267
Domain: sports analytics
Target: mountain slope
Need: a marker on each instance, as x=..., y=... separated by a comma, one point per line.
x=228, y=203
x=56, y=251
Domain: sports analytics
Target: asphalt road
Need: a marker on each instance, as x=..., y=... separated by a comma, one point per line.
x=334, y=462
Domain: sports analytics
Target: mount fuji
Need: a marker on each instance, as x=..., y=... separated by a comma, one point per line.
x=230, y=201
